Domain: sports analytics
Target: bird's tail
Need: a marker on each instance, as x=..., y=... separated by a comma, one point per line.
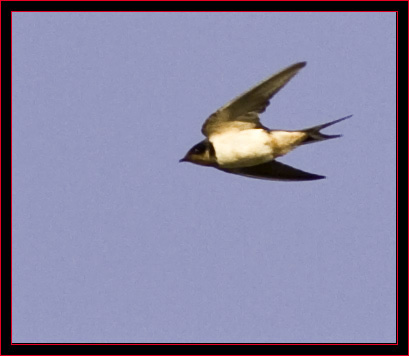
x=314, y=134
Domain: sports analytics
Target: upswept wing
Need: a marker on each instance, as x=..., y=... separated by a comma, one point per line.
x=242, y=112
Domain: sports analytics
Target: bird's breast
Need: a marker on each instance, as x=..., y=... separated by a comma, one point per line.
x=242, y=148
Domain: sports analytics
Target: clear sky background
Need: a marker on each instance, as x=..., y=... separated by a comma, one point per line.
x=114, y=240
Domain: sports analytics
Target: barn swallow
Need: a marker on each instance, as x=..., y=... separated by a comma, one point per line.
x=236, y=141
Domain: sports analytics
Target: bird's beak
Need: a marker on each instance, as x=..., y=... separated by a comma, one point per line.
x=184, y=159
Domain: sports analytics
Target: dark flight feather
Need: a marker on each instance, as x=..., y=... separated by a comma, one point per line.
x=273, y=170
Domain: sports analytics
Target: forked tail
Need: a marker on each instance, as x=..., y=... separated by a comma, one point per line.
x=314, y=134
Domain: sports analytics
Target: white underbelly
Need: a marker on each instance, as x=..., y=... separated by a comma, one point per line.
x=242, y=148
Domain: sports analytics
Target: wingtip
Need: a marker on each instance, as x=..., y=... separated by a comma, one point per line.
x=317, y=177
x=299, y=65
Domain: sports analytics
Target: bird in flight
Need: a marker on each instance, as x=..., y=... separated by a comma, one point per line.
x=236, y=141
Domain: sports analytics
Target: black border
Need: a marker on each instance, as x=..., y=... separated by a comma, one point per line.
x=401, y=7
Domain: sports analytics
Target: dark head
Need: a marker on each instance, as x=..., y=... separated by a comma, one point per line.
x=202, y=153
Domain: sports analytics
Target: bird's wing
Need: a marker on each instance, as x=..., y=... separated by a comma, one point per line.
x=273, y=170
x=242, y=112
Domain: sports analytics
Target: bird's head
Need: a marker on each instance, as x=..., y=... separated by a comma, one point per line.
x=202, y=154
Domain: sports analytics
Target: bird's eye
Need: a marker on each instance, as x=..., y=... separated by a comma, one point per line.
x=199, y=149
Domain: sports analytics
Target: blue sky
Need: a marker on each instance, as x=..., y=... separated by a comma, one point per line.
x=115, y=241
